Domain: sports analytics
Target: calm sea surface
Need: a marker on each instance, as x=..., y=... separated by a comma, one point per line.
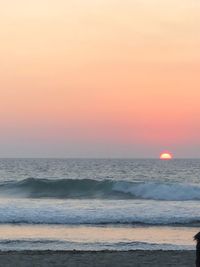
x=94, y=204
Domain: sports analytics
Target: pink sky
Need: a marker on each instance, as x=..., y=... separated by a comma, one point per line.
x=99, y=78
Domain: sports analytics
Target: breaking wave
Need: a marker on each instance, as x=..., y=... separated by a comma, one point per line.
x=105, y=189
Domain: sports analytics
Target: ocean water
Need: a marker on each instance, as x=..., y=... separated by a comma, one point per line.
x=97, y=204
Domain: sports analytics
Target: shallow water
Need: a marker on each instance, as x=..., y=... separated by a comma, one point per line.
x=63, y=237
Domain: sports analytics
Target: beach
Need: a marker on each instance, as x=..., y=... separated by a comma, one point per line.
x=100, y=127
x=136, y=258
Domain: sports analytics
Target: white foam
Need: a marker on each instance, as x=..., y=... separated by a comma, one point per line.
x=160, y=191
x=99, y=212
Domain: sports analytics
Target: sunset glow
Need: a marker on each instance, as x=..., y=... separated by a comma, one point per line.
x=166, y=156
x=99, y=78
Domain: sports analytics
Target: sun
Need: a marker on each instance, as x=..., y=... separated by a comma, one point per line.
x=166, y=156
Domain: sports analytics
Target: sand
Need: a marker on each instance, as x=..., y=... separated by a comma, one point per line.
x=96, y=259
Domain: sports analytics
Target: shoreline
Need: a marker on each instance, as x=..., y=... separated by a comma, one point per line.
x=75, y=258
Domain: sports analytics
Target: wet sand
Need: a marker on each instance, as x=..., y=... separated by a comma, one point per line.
x=97, y=259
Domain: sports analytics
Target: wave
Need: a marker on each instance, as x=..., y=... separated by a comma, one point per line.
x=63, y=245
x=105, y=189
x=98, y=212
x=56, y=214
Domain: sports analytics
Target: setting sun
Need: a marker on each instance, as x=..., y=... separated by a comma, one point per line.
x=166, y=156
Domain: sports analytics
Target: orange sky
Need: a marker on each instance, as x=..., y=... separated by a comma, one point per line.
x=99, y=78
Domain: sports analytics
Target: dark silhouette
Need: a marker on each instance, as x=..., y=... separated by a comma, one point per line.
x=197, y=239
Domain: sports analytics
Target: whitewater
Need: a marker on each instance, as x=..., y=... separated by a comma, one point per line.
x=99, y=193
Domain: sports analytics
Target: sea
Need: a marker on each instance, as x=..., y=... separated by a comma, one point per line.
x=99, y=204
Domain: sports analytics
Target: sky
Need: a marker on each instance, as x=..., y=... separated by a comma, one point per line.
x=99, y=78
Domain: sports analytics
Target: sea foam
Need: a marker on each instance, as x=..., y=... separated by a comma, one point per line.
x=95, y=212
